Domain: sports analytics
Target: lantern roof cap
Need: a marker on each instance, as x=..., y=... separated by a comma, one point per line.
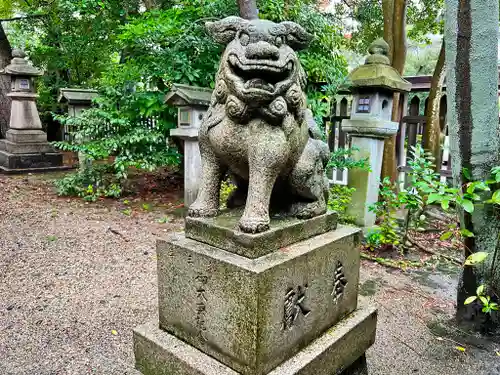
x=377, y=72
x=19, y=66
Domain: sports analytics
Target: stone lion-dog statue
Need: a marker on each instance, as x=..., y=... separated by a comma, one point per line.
x=258, y=129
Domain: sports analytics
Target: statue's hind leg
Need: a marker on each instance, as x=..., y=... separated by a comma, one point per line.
x=309, y=183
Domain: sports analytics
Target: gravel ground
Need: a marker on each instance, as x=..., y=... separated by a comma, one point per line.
x=75, y=279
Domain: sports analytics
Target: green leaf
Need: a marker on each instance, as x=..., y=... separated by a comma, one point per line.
x=445, y=236
x=445, y=204
x=476, y=258
x=496, y=197
x=466, y=233
x=468, y=206
x=434, y=198
x=483, y=300
x=466, y=174
x=469, y=300
x=480, y=290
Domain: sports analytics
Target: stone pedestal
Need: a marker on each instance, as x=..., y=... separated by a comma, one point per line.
x=291, y=309
x=192, y=162
x=368, y=137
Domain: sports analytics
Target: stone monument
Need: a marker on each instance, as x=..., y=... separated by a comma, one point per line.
x=192, y=103
x=373, y=85
x=25, y=148
x=271, y=285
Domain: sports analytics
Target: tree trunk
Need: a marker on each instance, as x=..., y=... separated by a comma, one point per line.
x=471, y=36
x=248, y=9
x=395, y=35
x=432, y=135
x=388, y=12
x=5, y=102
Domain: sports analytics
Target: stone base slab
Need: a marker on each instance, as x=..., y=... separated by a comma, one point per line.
x=252, y=314
x=340, y=350
x=26, y=147
x=26, y=136
x=30, y=163
x=222, y=232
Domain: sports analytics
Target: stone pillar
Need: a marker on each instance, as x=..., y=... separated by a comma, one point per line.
x=25, y=148
x=373, y=85
x=192, y=103
x=369, y=138
x=192, y=162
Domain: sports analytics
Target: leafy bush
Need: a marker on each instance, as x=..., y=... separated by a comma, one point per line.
x=226, y=188
x=387, y=235
x=90, y=183
x=342, y=158
x=340, y=198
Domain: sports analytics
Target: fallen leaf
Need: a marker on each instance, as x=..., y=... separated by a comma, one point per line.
x=113, y=332
x=460, y=349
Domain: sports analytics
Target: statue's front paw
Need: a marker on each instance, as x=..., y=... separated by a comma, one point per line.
x=306, y=211
x=200, y=210
x=254, y=224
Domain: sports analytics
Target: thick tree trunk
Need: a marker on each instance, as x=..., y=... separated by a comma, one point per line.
x=388, y=12
x=248, y=9
x=5, y=102
x=432, y=135
x=395, y=35
x=471, y=36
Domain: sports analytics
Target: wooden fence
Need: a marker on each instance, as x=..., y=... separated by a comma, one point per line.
x=147, y=122
x=411, y=129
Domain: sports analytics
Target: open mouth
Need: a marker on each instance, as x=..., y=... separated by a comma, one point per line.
x=260, y=76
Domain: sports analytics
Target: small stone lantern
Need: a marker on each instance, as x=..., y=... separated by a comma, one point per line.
x=373, y=86
x=192, y=103
x=25, y=148
x=77, y=101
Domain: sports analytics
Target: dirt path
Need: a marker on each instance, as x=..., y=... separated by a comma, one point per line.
x=75, y=279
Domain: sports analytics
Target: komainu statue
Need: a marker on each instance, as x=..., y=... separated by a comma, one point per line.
x=258, y=129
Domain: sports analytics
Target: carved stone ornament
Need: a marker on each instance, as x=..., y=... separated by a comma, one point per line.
x=258, y=129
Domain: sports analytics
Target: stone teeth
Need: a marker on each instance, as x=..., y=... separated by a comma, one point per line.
x=233, y=60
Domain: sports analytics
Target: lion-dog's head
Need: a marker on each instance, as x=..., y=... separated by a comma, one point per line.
x=260, y=73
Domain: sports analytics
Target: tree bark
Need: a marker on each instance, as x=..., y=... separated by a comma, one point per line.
x=432, y=134
x=5, y=101
x=248, y=9
x=395, y=34
x=471, y=35
x=388, y=12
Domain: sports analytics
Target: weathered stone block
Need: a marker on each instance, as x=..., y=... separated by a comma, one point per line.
x=222, y=232
x=12, y=163
x=26, y=136
x=252, y=314
x=340, y=350
x=25, y=147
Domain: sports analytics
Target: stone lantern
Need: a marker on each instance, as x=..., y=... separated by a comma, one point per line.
x=373, y=86
x=192, y=103
x=25, y=148
x=77, y=101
